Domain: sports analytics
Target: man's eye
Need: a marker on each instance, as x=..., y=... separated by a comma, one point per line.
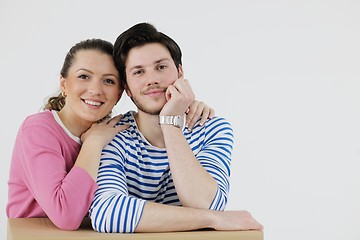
x=162, y=67
x=137, y=72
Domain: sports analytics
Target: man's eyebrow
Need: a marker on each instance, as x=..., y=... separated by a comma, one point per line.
x=141, y=66
x=161, y=60
x=134, y=67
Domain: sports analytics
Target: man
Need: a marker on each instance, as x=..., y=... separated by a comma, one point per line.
x=158, y=175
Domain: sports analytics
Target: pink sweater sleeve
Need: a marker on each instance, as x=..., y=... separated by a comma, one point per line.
x=63, y=192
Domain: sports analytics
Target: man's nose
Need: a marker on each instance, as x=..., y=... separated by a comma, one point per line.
x=152, y=78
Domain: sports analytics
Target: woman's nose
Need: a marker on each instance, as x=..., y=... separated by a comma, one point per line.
x=95, y=87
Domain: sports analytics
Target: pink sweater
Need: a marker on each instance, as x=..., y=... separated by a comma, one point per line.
x=43, y=181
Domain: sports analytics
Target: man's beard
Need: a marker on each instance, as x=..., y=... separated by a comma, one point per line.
x=144, y=109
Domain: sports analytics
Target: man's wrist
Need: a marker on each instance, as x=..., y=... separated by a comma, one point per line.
x=176, y=121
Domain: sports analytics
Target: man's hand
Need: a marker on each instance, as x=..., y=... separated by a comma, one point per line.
x=179, y=96
x=234, y=220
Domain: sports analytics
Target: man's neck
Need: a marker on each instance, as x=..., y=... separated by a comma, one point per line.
x=149, y=127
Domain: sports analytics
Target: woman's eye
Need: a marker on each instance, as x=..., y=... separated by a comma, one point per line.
x=83, y=76
x=109, y=81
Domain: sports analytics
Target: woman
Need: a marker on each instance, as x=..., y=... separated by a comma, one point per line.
x=56, y=154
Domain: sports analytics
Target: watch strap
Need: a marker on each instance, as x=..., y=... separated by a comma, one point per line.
x=176, y=121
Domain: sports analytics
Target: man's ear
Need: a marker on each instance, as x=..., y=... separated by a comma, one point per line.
x=180, y=71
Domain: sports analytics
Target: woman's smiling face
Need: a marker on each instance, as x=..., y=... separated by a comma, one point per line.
x=92, y=86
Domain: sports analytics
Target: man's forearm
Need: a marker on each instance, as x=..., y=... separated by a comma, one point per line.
x=167, y=218
x=189, y=177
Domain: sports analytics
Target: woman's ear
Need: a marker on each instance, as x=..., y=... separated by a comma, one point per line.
x=62, y=83
x=180, y=71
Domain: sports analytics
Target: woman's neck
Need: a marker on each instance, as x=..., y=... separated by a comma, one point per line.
x=74, y=124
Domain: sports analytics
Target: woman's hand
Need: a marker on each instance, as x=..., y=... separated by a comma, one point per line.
x=196, y=110
x=94, y=140
x=104, y=131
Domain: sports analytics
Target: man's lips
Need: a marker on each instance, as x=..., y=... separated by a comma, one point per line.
x=155, y=91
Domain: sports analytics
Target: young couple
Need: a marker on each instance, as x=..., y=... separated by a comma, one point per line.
x=141, y=172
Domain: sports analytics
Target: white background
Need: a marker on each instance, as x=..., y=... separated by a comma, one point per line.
x=284, y=73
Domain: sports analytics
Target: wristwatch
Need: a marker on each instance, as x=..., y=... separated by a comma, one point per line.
x=177, y=121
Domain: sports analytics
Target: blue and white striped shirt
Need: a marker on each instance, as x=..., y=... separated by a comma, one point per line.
x=132, y=171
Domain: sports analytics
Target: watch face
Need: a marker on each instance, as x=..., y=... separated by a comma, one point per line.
x=178, y=121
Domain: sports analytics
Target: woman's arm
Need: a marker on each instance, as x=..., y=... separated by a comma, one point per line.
x=64, y=192
x=94, y=140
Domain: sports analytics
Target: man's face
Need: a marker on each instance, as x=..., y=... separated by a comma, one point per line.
x=149, y=71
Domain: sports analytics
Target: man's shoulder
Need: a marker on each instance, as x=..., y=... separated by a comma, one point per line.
x=127, y=118
x=217, y=121
x=214, y=124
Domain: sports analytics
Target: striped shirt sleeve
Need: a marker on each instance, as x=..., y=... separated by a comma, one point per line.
x=113, y=209
x=215, y=157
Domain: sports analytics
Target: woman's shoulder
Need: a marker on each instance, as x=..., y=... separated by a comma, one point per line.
x=43, y=118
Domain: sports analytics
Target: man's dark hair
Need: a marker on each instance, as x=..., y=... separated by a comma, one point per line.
x=139, y=35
